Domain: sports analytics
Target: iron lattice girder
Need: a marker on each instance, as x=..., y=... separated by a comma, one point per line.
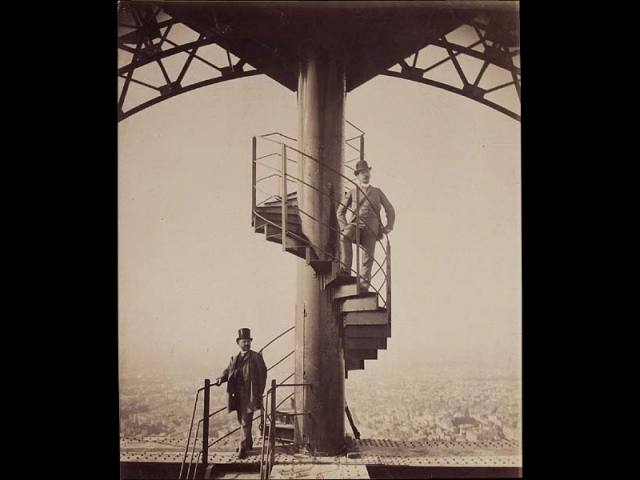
x=270, y=37
x=498, y=37
x=141, y=34
x=273, y=39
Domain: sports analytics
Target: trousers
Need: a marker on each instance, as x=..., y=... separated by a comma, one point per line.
x=368, y=245
x=245, y=419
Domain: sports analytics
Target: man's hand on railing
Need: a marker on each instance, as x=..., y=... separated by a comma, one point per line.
x=218, y=382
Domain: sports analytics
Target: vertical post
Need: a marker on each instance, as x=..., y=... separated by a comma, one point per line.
x=388, y=281
x=264, y=435
x=284, y=197
x=205, y=424
x=362, y=146
x=253, y=177
x=357, y=236
x=272, y=428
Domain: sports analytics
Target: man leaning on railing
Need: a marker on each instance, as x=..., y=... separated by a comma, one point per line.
x=247, y=377
x=370, y=225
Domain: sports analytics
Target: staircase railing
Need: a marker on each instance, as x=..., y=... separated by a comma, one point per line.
x=267, y=455
x=206, y=416
x=280, y=197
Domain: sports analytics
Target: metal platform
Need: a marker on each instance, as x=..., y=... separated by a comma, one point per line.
x=458, y=457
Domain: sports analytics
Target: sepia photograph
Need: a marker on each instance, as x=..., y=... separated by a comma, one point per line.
x=319, y=239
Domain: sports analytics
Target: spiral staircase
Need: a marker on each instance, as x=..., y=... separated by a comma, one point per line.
x=366, y=315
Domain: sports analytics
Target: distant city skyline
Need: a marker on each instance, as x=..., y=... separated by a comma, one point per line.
x=425, y=408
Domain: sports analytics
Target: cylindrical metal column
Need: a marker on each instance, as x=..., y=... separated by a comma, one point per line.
x=319, y=351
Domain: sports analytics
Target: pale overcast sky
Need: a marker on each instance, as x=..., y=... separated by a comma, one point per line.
x=191, y=270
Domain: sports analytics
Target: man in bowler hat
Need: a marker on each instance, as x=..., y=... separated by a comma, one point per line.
x=370, y=225
x=246, y=376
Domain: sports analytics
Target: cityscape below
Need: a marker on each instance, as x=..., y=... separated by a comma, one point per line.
x=404, y=406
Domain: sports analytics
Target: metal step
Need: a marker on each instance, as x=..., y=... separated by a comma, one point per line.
x=367, y=331
x=371, y=317
x=292, y=198
x=291, y=241
x=295, y=238
x=365, y=343
x=261, y=225
x=295, y=245
x=344, y=291
x=277, y=210
x=353, y=364
x=343, y=280
x=369, y=354
x=362, y=302
x=320, y=266
x=284, y=432
x=274, y=218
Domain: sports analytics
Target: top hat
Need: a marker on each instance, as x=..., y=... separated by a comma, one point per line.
x=244, y=333
x=361, y=166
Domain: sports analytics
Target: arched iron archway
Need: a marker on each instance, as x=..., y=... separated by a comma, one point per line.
x=496, y=44
x=144, y=34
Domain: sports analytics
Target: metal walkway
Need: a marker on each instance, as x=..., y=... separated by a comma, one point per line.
x=289, y=463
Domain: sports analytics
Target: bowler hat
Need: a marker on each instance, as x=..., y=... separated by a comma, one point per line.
x=361, y=166
x=244, y=333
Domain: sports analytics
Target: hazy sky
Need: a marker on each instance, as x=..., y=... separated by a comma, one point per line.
x=191, y=270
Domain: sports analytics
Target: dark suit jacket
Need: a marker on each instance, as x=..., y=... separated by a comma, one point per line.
x=257, y=380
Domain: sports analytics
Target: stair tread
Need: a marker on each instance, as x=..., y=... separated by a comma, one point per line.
x=286, y=426
x=368, y=331
x=276, y=214
x=362, y=354
x=291, y=197
x=341, y=280
x=363, y=302
x=357, y=343
x=366, y=317
x=344, y=291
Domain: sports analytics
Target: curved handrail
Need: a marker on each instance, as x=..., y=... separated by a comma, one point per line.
x=278, y=133
x=330, y=255
x=334, y=201
x=195, y=440
x=333, y=170
x=361, y=131
x=355, y=184
x=310, y=216
x=186, y=450
x=281, y=360
x=286, y=177
x=276, y=338
x=254, y=418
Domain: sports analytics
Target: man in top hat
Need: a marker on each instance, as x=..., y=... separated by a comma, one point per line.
x=246, y=377
x=371, y=228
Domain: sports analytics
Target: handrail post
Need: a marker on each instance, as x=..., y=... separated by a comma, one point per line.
x=272, y=429
x=253, y=177
x=263, y=469
x=186, y=450
x=357, y=236
x=362, y=146
x=205, y=424
x=284, y=197
x=388, y=280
